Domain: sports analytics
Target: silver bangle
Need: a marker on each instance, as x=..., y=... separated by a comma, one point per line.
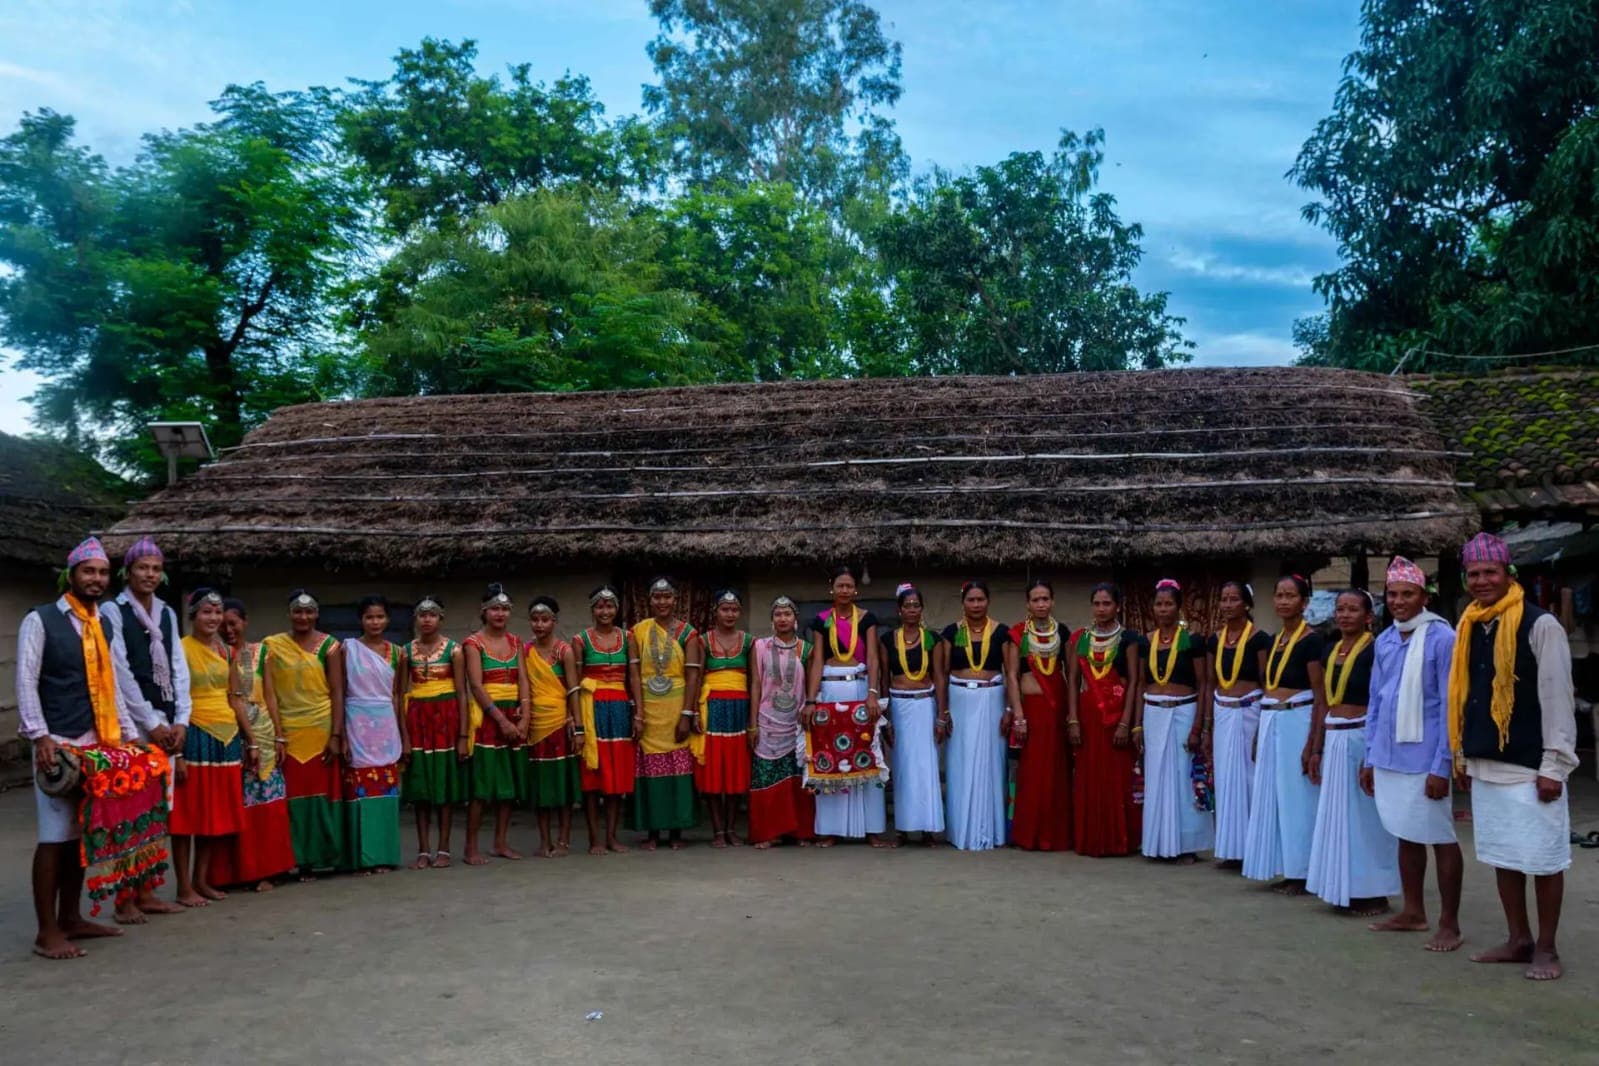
x=688, y=714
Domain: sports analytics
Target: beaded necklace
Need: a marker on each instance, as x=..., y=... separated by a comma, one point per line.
x=1238, y=656
x=904, y=662
x=988, y=633
x=1337, y=685
x=1287, y=652
x=846, y=654
x=1042, y=647
x=1102, y=651
x=1163, y=677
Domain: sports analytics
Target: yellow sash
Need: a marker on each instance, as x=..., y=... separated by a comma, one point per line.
x=660, y=711
x=498, y=692
x=719, y=681
x=549, y=697
x=305, y=706
x=208, y=691
x=585, y=710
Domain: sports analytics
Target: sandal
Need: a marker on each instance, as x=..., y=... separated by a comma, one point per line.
x=424, y=859
x=1589, y=840
x=441, y=855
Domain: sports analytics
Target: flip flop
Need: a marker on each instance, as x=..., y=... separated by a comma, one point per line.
x=1590, y=840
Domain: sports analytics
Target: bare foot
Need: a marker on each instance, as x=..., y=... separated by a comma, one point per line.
x=677, y=845
x=1367, y=908
x=544, y=851
x=192, y=899
x=734, y=839
x=878, y=842
x=377, y=871
x=1187, y=859
x=930, y=841
x=128, y=914
x=214, y=894
x=1509, y=951
x=1545, y=967
x=56, y=947
x=764, y=845
x=617, y=846
x=506, y=852
x=563, y=847
x=826, y=842
x=648, y=845
x=1445, y=939
x=475, y=859
x=423, y=861
x=1402, y=922
x=264, y=886
x=307, y=876
x=1289, y=887
x=365, y=873
x=1229, y=864
x=152, y=905
x=718, y=842
x=83, y=929
x=803, y=843
x=441, y=860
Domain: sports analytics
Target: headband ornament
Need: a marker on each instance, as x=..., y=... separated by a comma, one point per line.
x=539, y=607
x=1167, y=583
x=499, y=599
x=212, y=597
x=904, y=587
x=428, y=606
x=606, y=593
x=663, y=585
x=783, y=601
x=304, y=599
x=729, y=597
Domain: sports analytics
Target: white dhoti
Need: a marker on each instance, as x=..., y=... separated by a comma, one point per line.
x=59, y=820
x=1237, y=720
x=1173, y=826
x=913, y=762
x=860, y=810
x=974, y=766
x=1406, y=811
x=1515, y=831
x=1351, y=855
x=1282, y=818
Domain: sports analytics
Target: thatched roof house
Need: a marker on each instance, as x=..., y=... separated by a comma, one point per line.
x=756, y=484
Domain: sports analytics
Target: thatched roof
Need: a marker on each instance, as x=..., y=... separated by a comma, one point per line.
x=970, y=471
x=51, y=496
x=1531, y=439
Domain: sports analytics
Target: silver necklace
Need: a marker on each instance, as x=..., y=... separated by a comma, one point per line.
x=660, y=684
x=784, y=699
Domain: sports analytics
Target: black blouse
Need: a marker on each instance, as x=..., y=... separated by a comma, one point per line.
x=960, y=657
x=1129, y=639
x=1296, y=674
x=1358, y=691
x=913, y=652
x=1249, y=669
x=1183, y=672
x=819, y=627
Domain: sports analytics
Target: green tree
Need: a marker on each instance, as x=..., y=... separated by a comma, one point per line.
x=1018, y=268
x=766, y=269
x=779, y=92
x=1459, y=173
x=191, y=284
x=437, y=140
x=556, y=289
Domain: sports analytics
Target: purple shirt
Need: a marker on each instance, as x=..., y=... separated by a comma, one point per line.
x=1431, y=755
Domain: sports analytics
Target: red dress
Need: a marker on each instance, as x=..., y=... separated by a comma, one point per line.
x=1042, y=819
x=1107, y=806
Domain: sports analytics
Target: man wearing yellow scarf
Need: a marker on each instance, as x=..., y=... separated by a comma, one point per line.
x=67, y=694
x=1513, y=730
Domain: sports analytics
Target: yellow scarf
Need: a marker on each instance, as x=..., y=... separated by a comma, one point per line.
x=1508, y=611
x=591, y=740
x=209, y=676
x=734, y=680
x=305, y=705
x=101, y=680
x=549, y=697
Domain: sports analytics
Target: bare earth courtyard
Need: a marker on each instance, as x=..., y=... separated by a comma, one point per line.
x=848, y=955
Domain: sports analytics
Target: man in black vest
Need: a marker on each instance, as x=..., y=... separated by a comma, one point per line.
x=1514, y=730
x=153, y=671
x=57, y=706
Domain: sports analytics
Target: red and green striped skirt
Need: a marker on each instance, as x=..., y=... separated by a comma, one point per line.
x=613, y=729
x=316, y=820
x=434, y=775
x=726, y=769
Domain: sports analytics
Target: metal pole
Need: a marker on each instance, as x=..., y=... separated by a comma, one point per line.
x=172, y=468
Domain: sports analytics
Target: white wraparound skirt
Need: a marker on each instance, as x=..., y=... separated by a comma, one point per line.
x=1514, y=831
x=1351, y=855
x=1173, y=826
x=1406, y=811
x=860, y=810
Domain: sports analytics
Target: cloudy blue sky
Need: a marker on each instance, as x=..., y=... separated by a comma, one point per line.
x=1204, y=103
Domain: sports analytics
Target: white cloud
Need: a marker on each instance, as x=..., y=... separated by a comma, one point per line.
x=15, y=386
x=1203, y=265
x=1244, y=349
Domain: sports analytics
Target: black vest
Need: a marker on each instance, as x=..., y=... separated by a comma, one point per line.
x=63, y=677
x=136, y=640
x=1480, y=737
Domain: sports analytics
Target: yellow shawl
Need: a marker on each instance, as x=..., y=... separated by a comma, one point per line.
x=549, y=697
x=97, y=672
x=1508, y=610
x=716, y=681
x=305, y=706
x=209, y=674
x=660, y=711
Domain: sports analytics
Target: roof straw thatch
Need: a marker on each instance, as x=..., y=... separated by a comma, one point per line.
x=51, y=496
x=1075, y=468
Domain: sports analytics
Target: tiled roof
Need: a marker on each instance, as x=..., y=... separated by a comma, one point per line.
x=1531, y=437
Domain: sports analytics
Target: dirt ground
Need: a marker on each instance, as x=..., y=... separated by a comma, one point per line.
x=848, y=955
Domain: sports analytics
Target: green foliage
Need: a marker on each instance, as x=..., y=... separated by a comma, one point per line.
x=1018, y=268
x=1459, y=172
x=551, y=290
x=190, y=284
x=778, y=92
x=437, y=141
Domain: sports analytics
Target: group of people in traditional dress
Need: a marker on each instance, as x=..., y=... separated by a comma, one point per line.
x=1324, y=766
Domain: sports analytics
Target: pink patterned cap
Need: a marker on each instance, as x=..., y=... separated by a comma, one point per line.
x=1485, y=548
x=1404, y=572
x=143, y=548
x=89, y=549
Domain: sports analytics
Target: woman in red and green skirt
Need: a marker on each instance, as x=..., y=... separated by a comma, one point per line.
x=721, y=744
x=600, y=655
x=500, y=773
x=436, y=740
x=553, y=733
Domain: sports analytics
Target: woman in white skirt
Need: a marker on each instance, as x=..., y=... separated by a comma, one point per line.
x=918, y=720
x=1354, y=861
x=1282, y=818
x=845, y=666
x=984, y=708
x=1237, y=655
x=1171, y=728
